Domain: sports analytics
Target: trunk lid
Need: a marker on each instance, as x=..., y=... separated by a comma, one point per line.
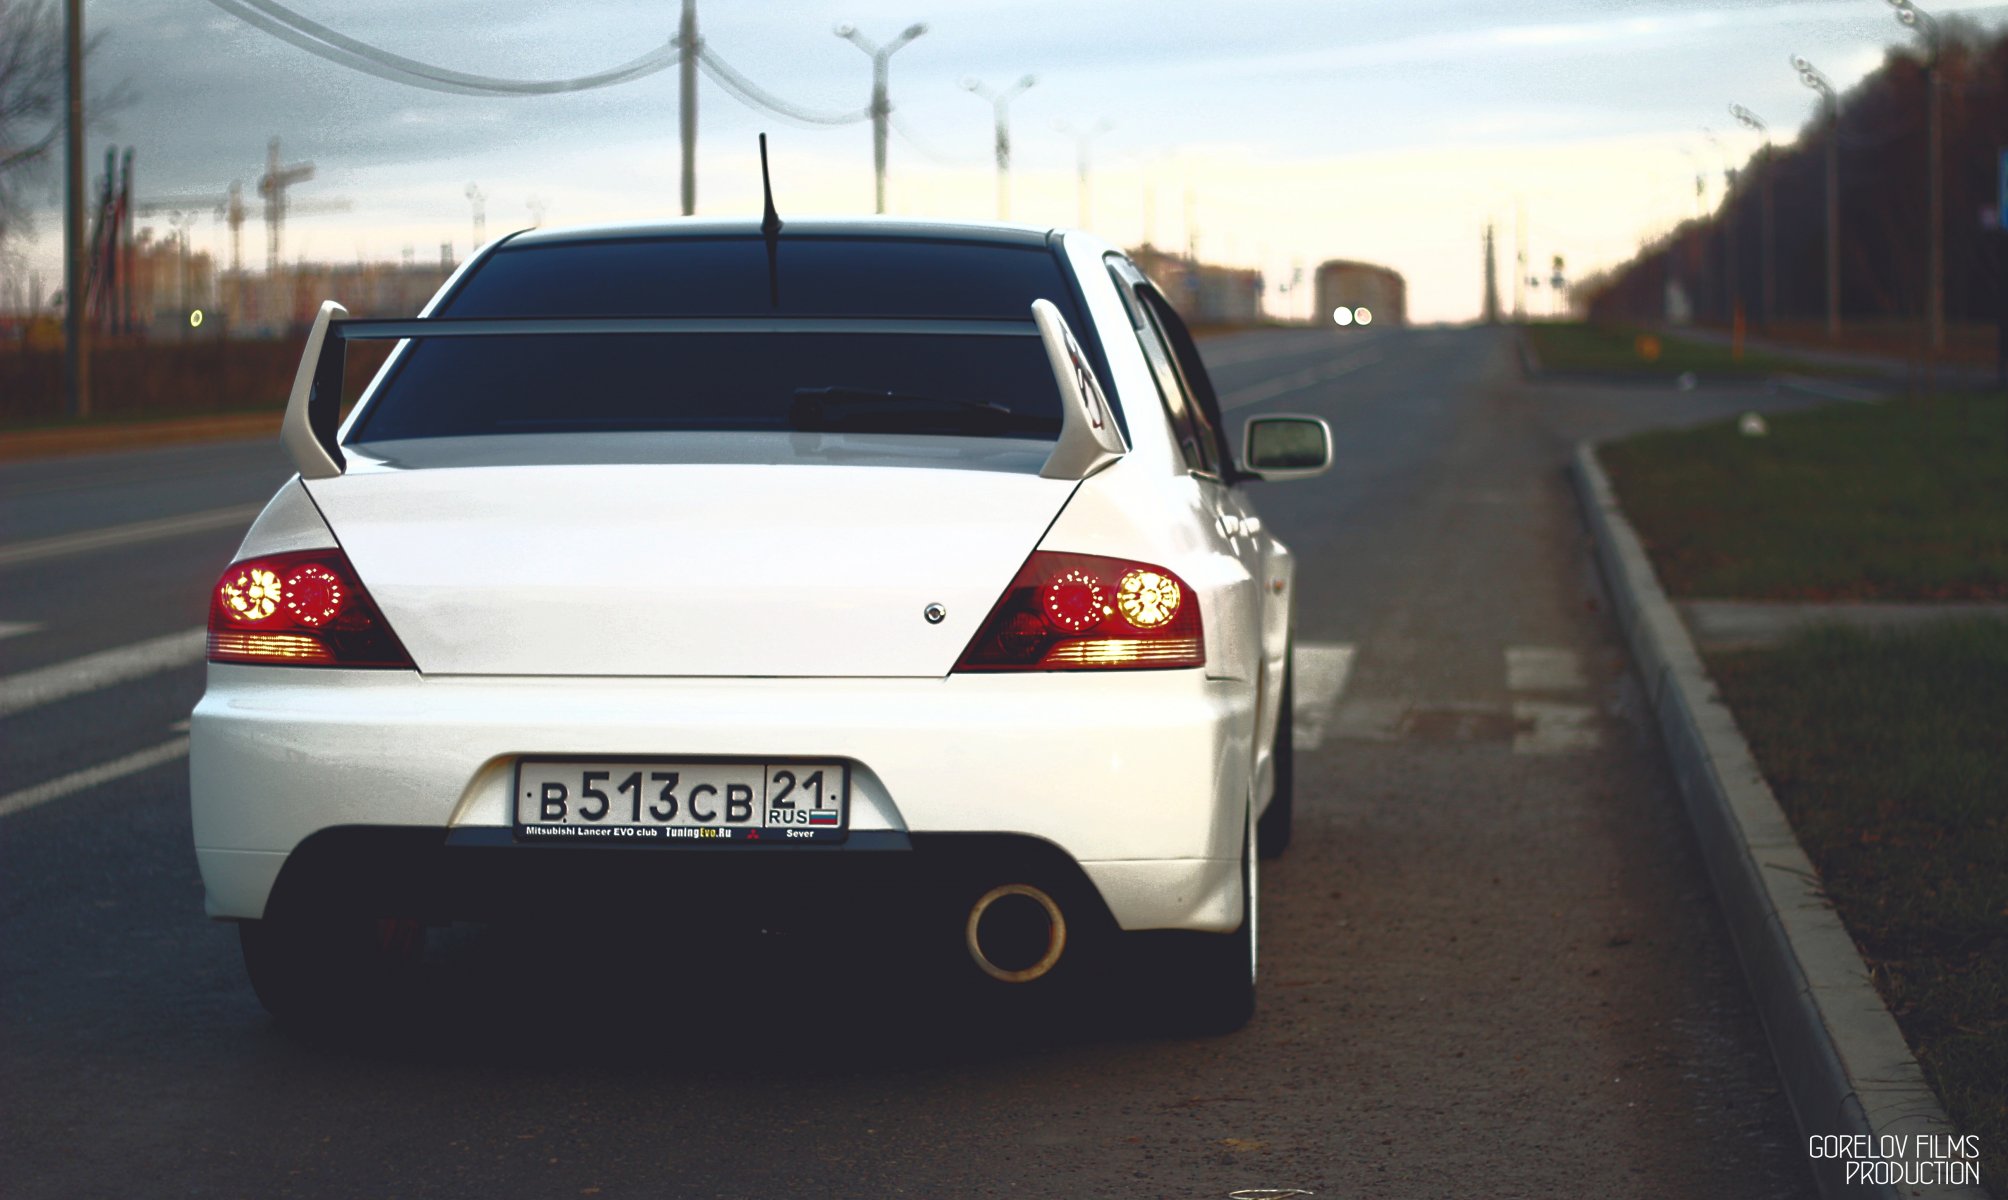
x=701, y=569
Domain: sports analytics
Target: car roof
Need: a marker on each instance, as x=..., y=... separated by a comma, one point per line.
x=862, y=228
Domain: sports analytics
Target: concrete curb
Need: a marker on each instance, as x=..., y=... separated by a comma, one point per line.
x=59, y=442
x=1530, y=359
x=1844, y=1063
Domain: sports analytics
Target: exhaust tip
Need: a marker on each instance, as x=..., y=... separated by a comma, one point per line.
x=1015, y=933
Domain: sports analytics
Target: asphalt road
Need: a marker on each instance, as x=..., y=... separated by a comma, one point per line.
x=1492, y=964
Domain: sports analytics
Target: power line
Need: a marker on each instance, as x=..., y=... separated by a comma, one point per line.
x=338, y=48
x=753, y=95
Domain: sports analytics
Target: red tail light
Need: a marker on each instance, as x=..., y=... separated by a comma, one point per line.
x=305, y=609
x=1075, y=612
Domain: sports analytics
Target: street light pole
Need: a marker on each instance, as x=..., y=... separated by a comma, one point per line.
x=76, y=266
x=686, y=116
x=1768, y=264
x=1921, y=23
x=1812, y=78
x=1000, y=103
x=1082, y=140
x=881, y=106
x=1734, y=292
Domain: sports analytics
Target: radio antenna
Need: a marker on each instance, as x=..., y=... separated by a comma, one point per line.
x=770, y=229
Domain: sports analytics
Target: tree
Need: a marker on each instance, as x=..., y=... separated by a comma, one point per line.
x=32, y=102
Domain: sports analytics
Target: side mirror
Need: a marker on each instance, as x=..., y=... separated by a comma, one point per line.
x=1286, y=447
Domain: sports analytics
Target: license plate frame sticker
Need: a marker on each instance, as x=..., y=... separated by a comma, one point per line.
x=681, y=801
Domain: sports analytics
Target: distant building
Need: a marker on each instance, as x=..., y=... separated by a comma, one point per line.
x=1204, y=294
x=1356, y=285
x=275, y=305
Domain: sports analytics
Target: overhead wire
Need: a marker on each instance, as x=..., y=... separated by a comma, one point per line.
x=336, y=47
x=753, y=95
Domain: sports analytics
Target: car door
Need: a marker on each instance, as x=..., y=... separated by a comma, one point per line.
x=1187, y=395
x=1194, y=410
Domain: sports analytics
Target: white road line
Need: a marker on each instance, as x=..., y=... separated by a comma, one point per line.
x=31, y=689
x=1318, y=675
x=90, y=777
x=1543, y=669
x=1309, y=377
x=1553, y=728
x=17, y=628
x=126, y=535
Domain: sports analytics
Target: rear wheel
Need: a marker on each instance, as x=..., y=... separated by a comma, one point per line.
x=328, y=972
x=1272, y=832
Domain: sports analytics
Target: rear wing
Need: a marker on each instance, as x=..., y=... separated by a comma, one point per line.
x=1089, y=439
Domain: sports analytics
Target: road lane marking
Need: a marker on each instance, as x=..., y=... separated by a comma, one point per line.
x=1548, y=727
x=1318, y=675
x=90, y=777
x=1297, y=382
x=32, y=689
x=17, y=628
x=1543, y=669
x=127, y=535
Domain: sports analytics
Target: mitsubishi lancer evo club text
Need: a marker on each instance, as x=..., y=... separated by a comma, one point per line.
x=760, y=572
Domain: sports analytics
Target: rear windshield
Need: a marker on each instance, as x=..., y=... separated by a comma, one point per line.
x=980, y=386
x=897, y=381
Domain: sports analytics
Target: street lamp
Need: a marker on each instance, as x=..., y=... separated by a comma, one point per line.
x=1082, y=139
x=1000, y=103
x=1750, y=120
x=1925, y=26
x=1733, y=264
x=881, y=107
x=1810, y=76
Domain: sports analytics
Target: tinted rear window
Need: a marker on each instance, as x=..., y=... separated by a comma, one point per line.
x=563, y=383
x=727, y=277
x=748, y=381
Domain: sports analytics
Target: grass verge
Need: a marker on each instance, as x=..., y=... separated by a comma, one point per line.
x=1895, y=501
x=1568, y=347
x=1887, y=753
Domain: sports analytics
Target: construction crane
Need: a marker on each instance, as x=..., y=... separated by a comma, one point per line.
x=272, y=186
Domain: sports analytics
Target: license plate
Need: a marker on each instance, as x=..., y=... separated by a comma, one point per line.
x=681, y=801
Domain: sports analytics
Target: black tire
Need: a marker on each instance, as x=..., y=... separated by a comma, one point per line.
x=1272, y=832
x=1214, y=975
x=325, y=973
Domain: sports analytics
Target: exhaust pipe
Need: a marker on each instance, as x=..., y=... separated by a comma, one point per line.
x=1016, y=933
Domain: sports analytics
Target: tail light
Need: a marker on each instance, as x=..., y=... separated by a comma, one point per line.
x=1076, y=612
x=305, y=609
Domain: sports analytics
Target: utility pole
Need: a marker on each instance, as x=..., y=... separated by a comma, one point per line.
x=686, y=39
x=478, y=200
x=1491, y=281
x=1000, y=103
x=1812, y=78
x=1519, y=260
x=76, y=352
x=1921, y=23
x=1083, y=139
x=1768, y=263
x=881, y=107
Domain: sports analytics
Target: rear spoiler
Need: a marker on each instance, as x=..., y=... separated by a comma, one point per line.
x=1088, y=441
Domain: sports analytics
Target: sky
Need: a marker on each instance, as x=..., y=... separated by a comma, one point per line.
x=1266, y=133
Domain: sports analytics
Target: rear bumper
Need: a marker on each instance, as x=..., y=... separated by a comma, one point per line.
x=1135, y=780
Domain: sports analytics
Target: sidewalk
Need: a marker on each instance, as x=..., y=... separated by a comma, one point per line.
x=60, y=442
x=1950, y=375
x=1721, y=625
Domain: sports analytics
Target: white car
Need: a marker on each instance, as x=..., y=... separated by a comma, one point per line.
x=774, y=570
